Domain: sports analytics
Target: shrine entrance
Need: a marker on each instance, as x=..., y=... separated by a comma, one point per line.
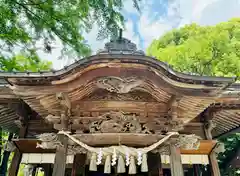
x=117, y=112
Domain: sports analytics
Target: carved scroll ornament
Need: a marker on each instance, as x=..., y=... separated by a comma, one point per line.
x=111, y=122
x=118, y=85
x=175, y=124
x=9, y=146
x=188, y=142
x=184, y=141
x=50, y=141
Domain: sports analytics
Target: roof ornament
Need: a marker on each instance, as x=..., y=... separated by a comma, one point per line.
x=121, y=45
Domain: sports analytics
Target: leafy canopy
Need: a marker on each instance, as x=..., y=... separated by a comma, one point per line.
x=19, y=63
x=201, y=50
x=24, y=22
x=231, y=143
x=205, y=50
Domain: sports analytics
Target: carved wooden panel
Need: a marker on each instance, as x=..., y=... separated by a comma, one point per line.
x=119, y=85
x=126, y=106
x=104, y=95
x=112, y=122
x=118, y=122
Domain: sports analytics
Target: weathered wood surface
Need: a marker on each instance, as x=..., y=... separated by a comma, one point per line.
x=212, y=156
x=47, y=169
x=60, y=158
x=148, y=92
x=78, y=168
x=154, y=164
x=137, y=140
x=175, y=161
x=86, y=84
x=14, y=166
x=225, y=120
x=214, y=164
x=120, y=70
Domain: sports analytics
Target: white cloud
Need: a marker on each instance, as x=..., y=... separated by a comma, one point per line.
x=130, y=34
x=219, y=11
x=129, y=8
x=208, y=12
x=91, y=38
x=150, y=31
x=180, y=12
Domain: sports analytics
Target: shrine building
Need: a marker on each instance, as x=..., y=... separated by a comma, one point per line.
x=117, y=112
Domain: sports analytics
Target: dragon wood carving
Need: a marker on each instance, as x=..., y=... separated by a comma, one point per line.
x=51, y=141
x=118, y=122
x=111, y=122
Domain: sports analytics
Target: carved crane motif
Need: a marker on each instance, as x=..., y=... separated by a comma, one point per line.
x=118, y=85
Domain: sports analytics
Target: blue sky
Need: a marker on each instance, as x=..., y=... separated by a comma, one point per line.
x=156, y=18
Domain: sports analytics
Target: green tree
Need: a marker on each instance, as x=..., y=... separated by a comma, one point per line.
x=204, y=50
x=19, y=62
x=201, y=50
x=232, y=143
x=24, y=22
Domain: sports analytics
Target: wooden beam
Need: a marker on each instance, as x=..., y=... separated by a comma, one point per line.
x=172, y=106
x=47, y=169
x=14, y=167
x=232, y=131
x=197, y=170
x=154, y=164
x=78, y=167
x=208, y=127
x=175, y=161
x=214, y=164
x=60, y=158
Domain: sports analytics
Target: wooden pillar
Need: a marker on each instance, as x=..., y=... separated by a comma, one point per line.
x=208, y=127
x=14, y=167
x=6, y=154
x=175, y=161
x=35, y=170
x=78, y=167
x=13, y=170
x=154, y=164
x=47, y=169
x=60, y=157
x=214, y=164
x=196, y=170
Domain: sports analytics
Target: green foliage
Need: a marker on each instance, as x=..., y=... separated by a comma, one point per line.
x=24, y=63
x=201, y=50
x=23, y=22
x=204, y=50
x=231, y=143
x=20, y=63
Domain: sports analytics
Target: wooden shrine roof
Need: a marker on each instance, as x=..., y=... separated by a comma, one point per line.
x=143, y=85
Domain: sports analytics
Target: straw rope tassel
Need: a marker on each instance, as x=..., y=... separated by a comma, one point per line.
x=144, y=166
x=121, y=165
x=93, y=163
x=132, y=166
x=107, y=166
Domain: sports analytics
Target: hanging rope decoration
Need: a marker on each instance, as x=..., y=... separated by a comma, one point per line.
x=114, y=157
x=117, y=153
x=99, y=158
x=139, y=158
x=127, y=158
